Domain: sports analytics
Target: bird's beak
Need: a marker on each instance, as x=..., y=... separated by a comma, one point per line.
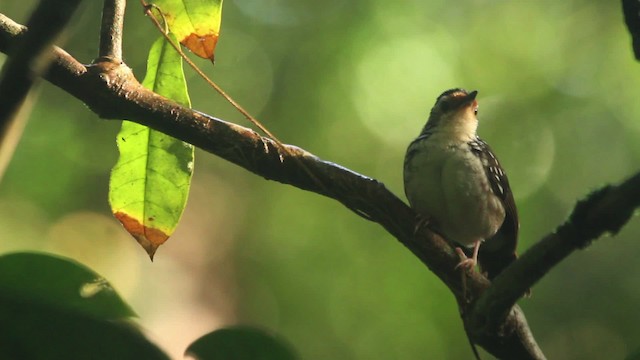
x=466, y=100
x=471, y=96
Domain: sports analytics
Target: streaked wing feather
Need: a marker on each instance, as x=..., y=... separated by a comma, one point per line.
x=500, y=250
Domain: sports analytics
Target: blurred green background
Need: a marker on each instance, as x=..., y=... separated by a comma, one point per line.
x=352, y=81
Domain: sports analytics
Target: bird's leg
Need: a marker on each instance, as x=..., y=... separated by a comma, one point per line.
x=465, y=262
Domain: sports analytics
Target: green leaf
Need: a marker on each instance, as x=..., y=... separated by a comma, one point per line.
x=150, y=183
x=33, y=330
x=634, y=355
x=60, y=282
x=196, y=23
x=240, y=343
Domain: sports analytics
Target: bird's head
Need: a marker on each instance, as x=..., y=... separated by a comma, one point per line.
x=455, y=111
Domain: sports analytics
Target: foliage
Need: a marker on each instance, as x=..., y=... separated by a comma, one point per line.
x=55, y=308
x=558, y=103
x=150, y=182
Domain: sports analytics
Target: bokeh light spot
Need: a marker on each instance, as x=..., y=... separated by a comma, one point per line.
x=99, y=242
x=396, y=83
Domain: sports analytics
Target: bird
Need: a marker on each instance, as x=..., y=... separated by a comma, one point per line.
x=454, y=181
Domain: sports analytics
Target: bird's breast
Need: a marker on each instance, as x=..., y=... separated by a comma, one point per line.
x=447, y=182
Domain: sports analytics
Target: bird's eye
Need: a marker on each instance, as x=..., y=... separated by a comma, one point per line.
x=445, y=106
x=475, y=110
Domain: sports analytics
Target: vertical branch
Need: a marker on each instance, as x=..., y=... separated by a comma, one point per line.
x=631, y=11
x=29, y=57
x=111, y=29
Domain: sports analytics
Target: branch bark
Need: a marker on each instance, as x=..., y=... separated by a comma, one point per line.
x=631, y=11
x=112, y=92
x=30, y=56
x=111, y=29
x=604, y=211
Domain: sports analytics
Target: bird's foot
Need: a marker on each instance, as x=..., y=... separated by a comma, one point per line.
x=465, y=263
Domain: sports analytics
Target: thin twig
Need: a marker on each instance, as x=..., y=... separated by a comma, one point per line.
x=111, y=29
x=237, y=106
x=163, y=30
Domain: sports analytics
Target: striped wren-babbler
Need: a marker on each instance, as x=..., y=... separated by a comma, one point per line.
x=455, y=182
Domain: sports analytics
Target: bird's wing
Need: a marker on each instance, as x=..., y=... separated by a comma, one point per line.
x=500, y=250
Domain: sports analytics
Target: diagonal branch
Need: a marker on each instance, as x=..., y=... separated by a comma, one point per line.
x=112, y=92
x=603, y=211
